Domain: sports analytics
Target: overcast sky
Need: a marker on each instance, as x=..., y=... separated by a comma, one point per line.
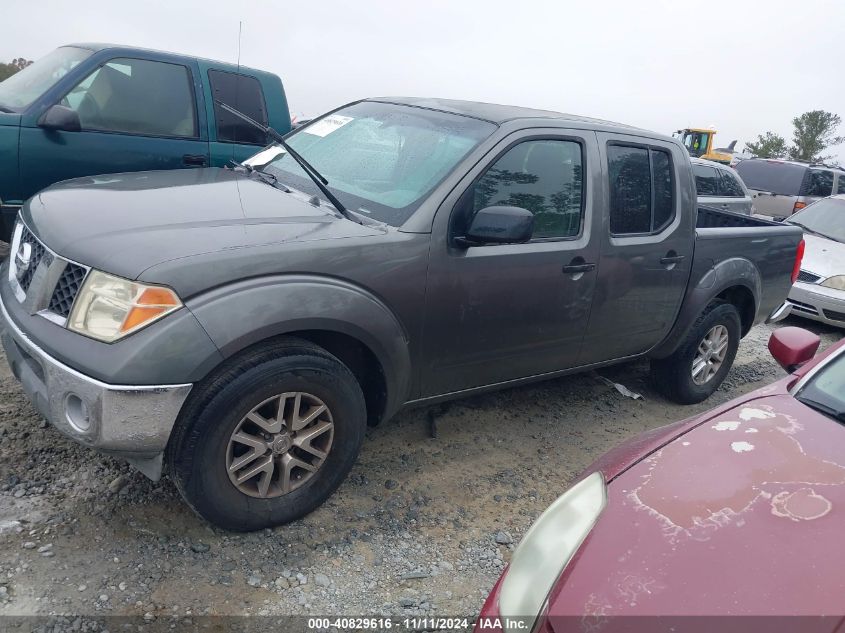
x=741, y=66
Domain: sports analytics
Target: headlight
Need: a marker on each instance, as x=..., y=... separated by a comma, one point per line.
x=837, y=283
x=108, y=307
x=547, y=548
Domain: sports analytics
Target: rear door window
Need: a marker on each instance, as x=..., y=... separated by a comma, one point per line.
x=244, y=94
x=840, y=184
x=783, y=179
x=731, y=187
x=641, y=189
x=820, y=183
x=706, y=180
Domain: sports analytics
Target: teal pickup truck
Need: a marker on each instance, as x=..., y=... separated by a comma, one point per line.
x=88, y=109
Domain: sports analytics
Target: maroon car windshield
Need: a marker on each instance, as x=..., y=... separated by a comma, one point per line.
x=825, y=391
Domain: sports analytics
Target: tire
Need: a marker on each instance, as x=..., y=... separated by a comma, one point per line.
x=673, y=376
x=203, y=448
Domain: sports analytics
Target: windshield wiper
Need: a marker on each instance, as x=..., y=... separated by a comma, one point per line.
x=809, y=230
x=265, y=176
x=834, y=413
x=313, y=174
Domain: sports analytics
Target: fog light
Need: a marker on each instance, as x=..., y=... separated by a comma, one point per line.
x=76, y=413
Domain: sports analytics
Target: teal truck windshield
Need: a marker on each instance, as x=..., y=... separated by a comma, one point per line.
x=24, y=87
x=381, y=160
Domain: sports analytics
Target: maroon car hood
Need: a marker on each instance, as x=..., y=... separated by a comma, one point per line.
x=741, y=515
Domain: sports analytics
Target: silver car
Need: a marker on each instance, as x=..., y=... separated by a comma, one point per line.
x=783, y=187
x=719, y=186
x=819, y=293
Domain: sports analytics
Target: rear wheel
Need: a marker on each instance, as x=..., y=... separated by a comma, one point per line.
x=269, y=439
x=702, y=361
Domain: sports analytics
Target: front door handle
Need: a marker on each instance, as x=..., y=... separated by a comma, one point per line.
x=194, y=160
x=575, y=268
x=671, y=258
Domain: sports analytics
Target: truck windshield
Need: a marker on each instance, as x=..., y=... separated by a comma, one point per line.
x=25, y=86
x=381, y=160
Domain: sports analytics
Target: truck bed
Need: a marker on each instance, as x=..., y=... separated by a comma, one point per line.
x=739, y=246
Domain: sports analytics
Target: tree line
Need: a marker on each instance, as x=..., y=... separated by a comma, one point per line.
x=813, y=133
x=7, y=70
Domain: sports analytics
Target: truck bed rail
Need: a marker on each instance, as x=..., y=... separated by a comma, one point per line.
x=712, y=218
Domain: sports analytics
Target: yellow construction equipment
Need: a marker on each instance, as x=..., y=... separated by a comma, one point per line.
x=699, y=144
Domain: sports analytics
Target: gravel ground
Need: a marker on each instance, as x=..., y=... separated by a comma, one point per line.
x=422, y=526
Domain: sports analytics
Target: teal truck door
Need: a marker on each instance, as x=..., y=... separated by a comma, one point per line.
x=231, y=137
x=135, y=114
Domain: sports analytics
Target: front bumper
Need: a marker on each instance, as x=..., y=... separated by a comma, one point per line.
x=132, y=421
x=817, y=303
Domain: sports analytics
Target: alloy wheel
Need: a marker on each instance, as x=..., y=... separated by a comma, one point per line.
x=710, y=354
x=279, y=444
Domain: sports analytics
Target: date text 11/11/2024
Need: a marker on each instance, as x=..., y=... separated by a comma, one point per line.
x=387, y=623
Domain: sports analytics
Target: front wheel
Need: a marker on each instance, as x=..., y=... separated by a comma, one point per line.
x=270, y=439
x=699, y=365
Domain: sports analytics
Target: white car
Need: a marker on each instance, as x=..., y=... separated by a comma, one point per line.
x=819, y=292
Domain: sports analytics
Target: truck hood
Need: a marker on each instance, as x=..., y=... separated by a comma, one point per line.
x=126, y=223
x=742, y=515
x=822, y=256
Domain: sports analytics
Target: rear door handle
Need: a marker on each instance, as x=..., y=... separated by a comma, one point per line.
x=578, y=268
x=194, y=160
x=672, y=259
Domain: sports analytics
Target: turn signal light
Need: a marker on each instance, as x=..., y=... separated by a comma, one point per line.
x=153, y=303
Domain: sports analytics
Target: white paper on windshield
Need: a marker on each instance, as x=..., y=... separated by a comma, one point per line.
x=264, y=156
x=326, y=126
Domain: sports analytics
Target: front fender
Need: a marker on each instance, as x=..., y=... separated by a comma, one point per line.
x=242, y=314
x=714, y=280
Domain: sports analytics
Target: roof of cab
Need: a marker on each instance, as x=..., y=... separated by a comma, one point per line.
x=499, y=114
x=129, y=50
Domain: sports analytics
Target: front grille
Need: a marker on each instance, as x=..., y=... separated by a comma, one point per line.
x=807, y=277
x=798, y=306
x=36, y=255
x=66, y=289
x=37, y=291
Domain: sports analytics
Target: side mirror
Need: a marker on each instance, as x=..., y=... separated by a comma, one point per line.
x=499, y=225
x=59, y=117
x=791, y=347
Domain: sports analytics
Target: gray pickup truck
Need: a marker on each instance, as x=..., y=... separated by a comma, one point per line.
x=242, y=326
